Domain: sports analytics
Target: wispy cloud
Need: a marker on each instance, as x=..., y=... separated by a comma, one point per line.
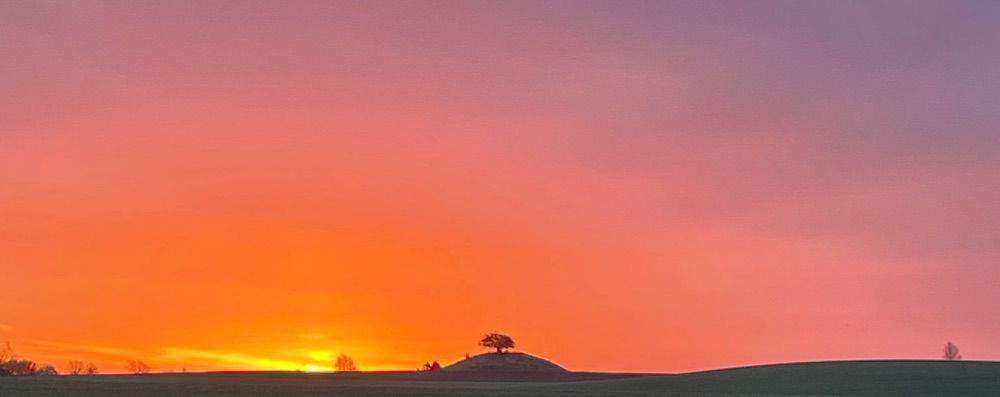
x=96, y=349
x=233, y=360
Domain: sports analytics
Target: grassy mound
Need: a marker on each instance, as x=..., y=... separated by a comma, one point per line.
x=505, y=362
x=508, y=367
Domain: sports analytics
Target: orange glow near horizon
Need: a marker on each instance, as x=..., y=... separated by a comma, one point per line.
x=638, y=188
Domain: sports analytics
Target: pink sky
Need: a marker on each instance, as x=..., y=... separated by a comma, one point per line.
x=639, y=186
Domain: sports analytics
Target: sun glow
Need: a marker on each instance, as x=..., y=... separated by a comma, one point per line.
x=320, y=355
x=316, y=368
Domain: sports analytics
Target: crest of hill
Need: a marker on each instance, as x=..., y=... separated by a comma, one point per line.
x=504, y=363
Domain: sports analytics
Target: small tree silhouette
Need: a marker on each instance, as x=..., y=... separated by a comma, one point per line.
x=344, y=363
x=951, y=352
x=91, y=369
x=74, y=367
x=497, y=341
x=138, y=367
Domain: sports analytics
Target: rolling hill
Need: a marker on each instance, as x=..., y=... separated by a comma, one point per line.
x=845, y=378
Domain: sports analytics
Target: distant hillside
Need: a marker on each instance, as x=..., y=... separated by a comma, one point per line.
x=908, y=378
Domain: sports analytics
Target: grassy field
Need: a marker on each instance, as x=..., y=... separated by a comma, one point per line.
x=860, y=378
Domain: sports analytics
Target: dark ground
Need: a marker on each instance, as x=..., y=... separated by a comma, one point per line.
x=859, y=378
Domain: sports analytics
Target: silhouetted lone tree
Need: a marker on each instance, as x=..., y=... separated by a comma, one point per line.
x=91, y=369
x=138, y=367
x=951, y=352
x=344, y=363
x=74, y=367
x=497, y=341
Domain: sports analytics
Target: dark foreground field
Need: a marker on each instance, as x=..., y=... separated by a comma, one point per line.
x=859, y=378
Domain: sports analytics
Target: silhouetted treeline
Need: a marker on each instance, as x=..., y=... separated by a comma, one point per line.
x=10, y=365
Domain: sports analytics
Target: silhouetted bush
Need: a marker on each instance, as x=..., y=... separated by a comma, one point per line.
x=46, y=369
x=431, y=366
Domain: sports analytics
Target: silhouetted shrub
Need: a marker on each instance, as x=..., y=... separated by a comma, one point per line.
x=431, y=366
x=46, y=369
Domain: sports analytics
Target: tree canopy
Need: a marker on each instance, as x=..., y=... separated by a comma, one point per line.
x=497, y=341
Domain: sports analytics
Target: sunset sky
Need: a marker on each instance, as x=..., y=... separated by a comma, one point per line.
x=620, y=186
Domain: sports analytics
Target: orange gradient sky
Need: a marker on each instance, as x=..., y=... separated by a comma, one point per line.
x=620, y=186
